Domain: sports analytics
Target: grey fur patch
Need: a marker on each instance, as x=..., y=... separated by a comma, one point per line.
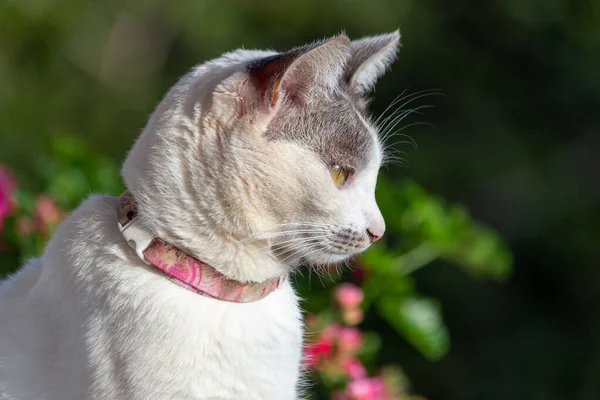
x=369, y=59
x=331, y=127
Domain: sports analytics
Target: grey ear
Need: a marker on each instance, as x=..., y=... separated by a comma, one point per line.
x=369, y=59
x=295, y=72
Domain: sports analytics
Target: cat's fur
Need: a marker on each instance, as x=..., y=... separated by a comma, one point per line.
x=234, y=168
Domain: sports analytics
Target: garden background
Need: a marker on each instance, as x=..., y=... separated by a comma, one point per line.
x=488, y=283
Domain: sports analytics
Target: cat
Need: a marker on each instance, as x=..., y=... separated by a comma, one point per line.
x=253, y=164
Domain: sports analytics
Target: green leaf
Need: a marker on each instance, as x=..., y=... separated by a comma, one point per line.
x=387, y=275
x=419, y=321
x=431, y=228
x=25, y=201
x=69, y=187
x=481, y=253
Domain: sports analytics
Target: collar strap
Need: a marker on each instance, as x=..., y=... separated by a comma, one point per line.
x=182, y=268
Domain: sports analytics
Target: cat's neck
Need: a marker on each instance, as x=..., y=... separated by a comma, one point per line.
x=244, y=259
x=190, y=202
x=191, y=272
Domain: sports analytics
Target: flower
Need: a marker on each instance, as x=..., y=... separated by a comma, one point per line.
x=366, y=389
x=7, y=186
x=349, y=339
x=315, y=352
x=331, y=331
x=348, y=296
x=333, y=355
x=47, y=213
x=355, y=369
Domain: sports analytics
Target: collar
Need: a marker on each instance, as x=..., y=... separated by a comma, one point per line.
x=182, y=268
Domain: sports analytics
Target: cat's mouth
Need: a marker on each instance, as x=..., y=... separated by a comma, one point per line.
x=318, y=244
x=328, y=257
x=320, y=251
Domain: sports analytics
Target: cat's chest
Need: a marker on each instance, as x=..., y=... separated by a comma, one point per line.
x=208, y=349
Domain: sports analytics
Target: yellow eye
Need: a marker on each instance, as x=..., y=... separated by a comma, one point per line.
x=339, y=175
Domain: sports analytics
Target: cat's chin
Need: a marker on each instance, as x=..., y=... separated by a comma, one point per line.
x=328, y=258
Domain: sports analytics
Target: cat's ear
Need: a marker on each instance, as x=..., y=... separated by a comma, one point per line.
x=370, y=57
x=295, y=73
x=293, y=76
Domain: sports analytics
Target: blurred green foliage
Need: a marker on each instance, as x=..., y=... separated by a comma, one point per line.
x=516, y=139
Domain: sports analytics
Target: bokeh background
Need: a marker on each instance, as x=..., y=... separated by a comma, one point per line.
x=515, y=138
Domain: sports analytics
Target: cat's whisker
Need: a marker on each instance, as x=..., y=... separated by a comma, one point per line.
x=385, y=135
x=277, y=234
x=388, y=126
x=391, y=158
x=294, y=251
x=393, y=155
x=388, y=131
x=298, y=245
x=410, y=140
x=392, y=104
x=306, y=224
x=294, y=247
x=415, y=124
x=407, y=100
x=296, y=240
x=403, y=98
x=389, y=149
x=276, y=254
x=313, y=251
x=319, y=272
x=328, y=271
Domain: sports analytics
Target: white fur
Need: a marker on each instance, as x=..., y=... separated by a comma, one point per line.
x=89, y=320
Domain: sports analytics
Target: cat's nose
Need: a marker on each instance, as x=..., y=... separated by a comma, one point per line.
x=375, y=232
x=374, y=223
x=373, y=237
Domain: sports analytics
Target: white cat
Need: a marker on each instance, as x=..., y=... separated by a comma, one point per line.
x=254, y=163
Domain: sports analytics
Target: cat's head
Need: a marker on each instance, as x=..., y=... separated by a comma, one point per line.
x=259, y=161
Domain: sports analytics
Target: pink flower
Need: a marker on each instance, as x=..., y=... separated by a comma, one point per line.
x=348, y=296
x=331, y=331
x=47, y=213
x=7, y=186
x=315, y=352
x=349, y=339
x=366, y=389
x=355, y=369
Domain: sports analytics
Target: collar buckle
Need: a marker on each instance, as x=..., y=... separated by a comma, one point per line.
x=137, y=238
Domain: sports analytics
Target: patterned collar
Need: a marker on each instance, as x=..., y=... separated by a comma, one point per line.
x=182, y=268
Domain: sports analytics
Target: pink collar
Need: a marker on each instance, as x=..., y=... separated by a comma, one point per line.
x=182, y=268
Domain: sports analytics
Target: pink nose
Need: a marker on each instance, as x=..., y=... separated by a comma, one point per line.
x=374, y=236
x=375, y=226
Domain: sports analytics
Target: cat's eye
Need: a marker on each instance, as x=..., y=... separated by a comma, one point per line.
x=339, y=175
